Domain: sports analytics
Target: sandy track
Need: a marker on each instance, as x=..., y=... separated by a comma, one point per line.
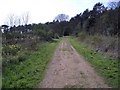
x=68, y=68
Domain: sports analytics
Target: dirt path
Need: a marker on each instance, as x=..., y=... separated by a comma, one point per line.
x=69, y=69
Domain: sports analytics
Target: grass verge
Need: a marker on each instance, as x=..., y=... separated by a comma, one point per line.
x=107, y=67
x=30, y=72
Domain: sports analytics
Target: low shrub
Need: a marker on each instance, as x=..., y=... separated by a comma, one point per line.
x=11, y=60
x=96, y=40
x=113, y=43
x=82, y=36
x=10, y=49
x=22, y=57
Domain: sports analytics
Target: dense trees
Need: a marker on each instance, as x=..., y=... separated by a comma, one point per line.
x=99, y=20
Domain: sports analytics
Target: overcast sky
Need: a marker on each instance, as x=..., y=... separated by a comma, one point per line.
x=44, y=10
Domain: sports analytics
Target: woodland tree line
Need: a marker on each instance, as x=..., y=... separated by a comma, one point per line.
x=100, y=20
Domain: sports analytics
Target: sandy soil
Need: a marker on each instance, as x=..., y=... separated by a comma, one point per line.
x=69, y=69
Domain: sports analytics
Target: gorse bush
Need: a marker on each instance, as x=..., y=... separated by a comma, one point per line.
x=10, y=49
x=22, y=57
x=12, y=60
x=8, y=61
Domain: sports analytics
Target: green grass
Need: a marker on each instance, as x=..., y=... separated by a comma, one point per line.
x=29, y=73
x=104, y=66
